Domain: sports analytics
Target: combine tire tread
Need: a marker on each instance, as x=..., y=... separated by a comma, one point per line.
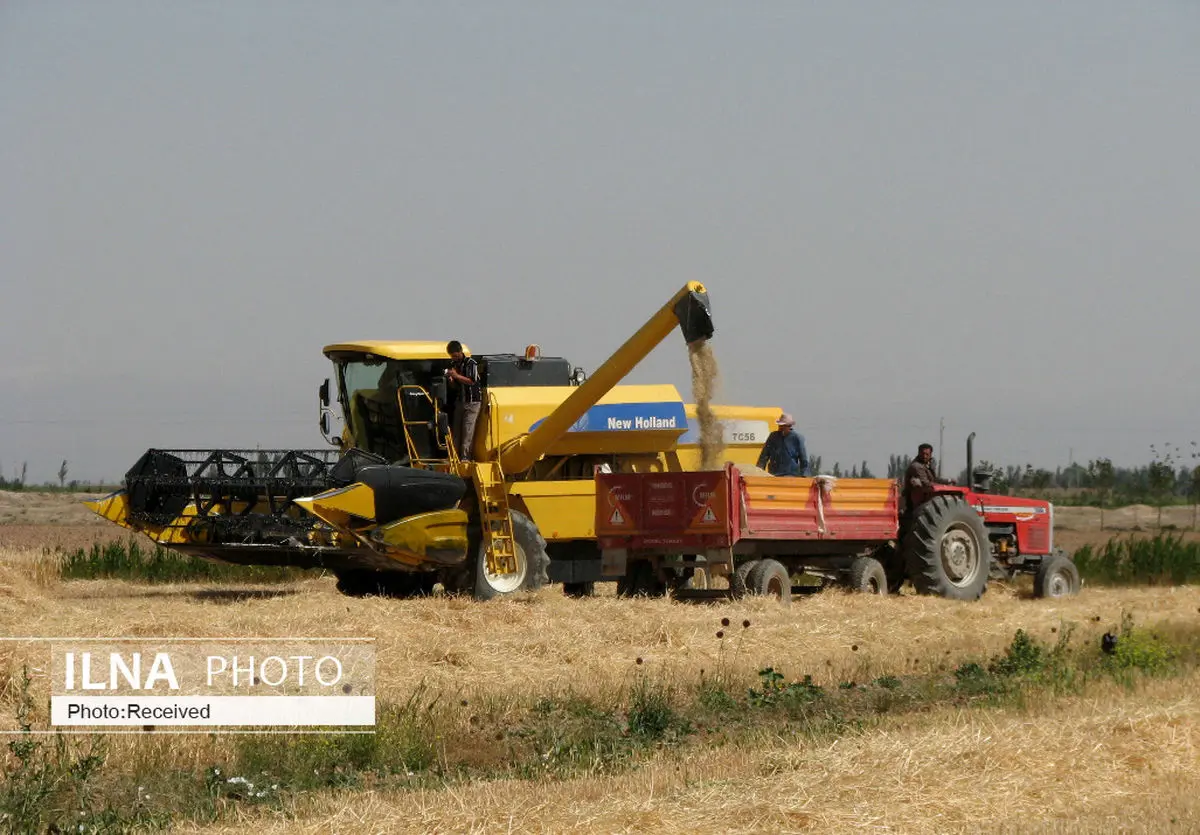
x=537, y=560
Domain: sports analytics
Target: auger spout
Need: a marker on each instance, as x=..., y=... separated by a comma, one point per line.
x=689, y=309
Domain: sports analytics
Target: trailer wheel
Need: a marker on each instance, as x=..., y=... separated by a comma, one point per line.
x=947, y=550
x=1057, y=576
x=866, y=575
x=769, y=577
x=893, y=567
x=584, y=588
x=533, y=563
x=737, y=580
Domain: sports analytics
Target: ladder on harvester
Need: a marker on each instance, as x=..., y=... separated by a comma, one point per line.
x=500, y=548
x=450, y=463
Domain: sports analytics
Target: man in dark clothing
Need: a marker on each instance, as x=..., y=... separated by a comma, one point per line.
x=920, y=477
x=463, y=374
x=784, y=453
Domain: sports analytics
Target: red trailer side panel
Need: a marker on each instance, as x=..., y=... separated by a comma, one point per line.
x=687, y=509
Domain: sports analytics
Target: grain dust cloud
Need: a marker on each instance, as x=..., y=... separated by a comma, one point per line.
x=706, y=379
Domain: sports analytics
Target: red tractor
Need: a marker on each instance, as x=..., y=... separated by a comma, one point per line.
x=658, y=529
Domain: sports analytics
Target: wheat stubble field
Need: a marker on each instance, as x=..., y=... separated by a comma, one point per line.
x=539, y=715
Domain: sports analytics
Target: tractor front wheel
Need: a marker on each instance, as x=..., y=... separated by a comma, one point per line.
x=1057, y=576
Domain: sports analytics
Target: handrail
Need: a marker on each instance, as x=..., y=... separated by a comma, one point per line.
x=451, y=452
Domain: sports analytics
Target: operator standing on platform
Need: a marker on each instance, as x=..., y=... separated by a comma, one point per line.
x=464, y=373
x=920, y=477
x=784, y=453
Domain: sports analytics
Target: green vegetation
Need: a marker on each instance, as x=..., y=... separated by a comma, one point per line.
x=132, y=561
x=1165, y=559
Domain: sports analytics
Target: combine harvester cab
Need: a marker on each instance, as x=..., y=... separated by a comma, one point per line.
x=392, y=509
x=761, y=531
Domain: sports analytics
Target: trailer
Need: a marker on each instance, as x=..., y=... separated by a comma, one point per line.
x=663, y=531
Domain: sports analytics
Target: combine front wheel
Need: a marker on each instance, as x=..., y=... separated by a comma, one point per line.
x=947, y=550
x=533, y=563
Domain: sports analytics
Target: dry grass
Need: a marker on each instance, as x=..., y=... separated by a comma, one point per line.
x=1116, y=760
x=34, y=507
x=1110, y=763
x=549, y=642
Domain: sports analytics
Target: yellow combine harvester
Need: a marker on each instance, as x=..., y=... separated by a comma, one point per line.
x=390, y=508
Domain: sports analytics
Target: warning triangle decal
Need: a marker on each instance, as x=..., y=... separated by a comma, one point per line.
x=708, y=516
x=616, y=518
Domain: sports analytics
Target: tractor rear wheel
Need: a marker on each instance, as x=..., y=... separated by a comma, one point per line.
x=769, y=577
x=947, y=551
x=533, y=563
x=1057, y=576
x=866, y=575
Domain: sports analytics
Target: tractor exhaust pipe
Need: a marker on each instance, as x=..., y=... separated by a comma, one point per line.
x=971, y=460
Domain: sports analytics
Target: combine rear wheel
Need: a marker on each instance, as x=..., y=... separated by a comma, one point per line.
x=866, y=575
x=533, y=563
x=769, y=577
x=1057, y=576
x=947, y=551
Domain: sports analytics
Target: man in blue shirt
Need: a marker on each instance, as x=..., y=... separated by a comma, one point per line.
x=784, y=453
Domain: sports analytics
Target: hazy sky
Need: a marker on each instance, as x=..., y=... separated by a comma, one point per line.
x=903, y=211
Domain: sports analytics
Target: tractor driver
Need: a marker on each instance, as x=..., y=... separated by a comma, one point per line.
x=463, y=373
x=784, y=453
x=920, y=477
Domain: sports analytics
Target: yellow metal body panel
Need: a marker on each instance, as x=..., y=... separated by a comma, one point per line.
x=562, y=510
x=341, y=506
x=414, y=539
x=513, y=411
x=395, y=350
x=115, y=508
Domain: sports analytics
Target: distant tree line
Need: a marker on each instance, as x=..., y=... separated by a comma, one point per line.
x=1172, y=476
x=18, y=482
